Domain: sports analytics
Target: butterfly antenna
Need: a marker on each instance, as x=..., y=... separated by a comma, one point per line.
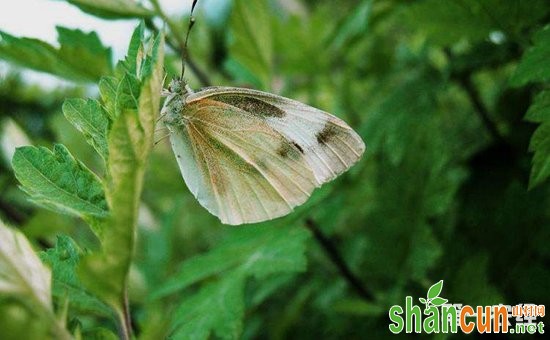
x=161, y=139
x=184, y=52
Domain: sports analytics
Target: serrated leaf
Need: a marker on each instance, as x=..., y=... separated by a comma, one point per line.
x=107, y=89
x=134, y=56
x=57, y=181
x=130, y=141
x=534, y=64
x=80, y=57
x=113, y=9
x=438, y=301
x=259, y=251
x=218, y=308
x=250, y=40
x=22, y=273
x=128, y=93
x=84, y=52
x=89, y=118
x=539, y=111
x=540, y=145
x=64, y=259
x=435, y=290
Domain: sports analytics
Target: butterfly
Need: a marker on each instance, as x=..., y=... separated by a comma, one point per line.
x=250, y=156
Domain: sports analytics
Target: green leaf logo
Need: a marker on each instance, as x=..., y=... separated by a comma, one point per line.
x=435, y=290
x=433, y=298
x=439, y=301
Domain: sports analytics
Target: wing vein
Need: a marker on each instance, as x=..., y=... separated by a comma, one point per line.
x=262, y=150
x=214, y=190
x=349, y=146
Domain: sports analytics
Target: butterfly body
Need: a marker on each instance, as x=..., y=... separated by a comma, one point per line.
x=250, y=156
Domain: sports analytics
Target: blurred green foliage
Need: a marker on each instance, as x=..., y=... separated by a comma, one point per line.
x=451, y=98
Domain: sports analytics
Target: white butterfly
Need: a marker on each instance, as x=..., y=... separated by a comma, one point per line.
x=250, y=156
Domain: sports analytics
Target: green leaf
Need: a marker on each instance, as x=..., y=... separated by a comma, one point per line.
x=64, y=259
x=127, y=95
x=113, y=9
x=134, y=56
x=80, y=57
x=484, y=292
x=540, y=145
x=534, y=64
x=217, y=308
x=84, y=52
x=438, y=301
x=250, y=39
x=422, y=300
x=57, y=181
x=89, y=118
x=22, y=274
x=25, y=277
x=539, y=111
x=435, y=290
x=259, y=251
x=249, y=252
x=130, y=141
x=353, y=27
x=448, y=22
x=534, y=67
x=107, y=89
x=358, y=307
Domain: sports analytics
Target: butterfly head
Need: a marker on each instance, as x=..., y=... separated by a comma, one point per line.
x=179, y=86
x=176, y=94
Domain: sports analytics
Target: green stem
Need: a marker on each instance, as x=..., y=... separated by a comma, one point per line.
x=127, y=321
x=59, y=330
x=125, y=330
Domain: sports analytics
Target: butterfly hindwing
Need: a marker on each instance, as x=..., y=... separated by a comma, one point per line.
x=239, y=167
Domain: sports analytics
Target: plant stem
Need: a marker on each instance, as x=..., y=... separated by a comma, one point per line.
x=464, y=79
x=125, y=321
x=465, y=82
x=339, y=262
x=58, y=328
x=178, y=45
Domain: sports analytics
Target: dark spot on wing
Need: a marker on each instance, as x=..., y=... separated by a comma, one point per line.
x=252, y=105
x=298, y=147
x=325, y=135
x=290, y=150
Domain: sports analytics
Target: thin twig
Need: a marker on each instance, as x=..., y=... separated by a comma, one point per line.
x=339, y=262
x=178, y=45
x=125, y=320
x=464, y=79
x=465, y=82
